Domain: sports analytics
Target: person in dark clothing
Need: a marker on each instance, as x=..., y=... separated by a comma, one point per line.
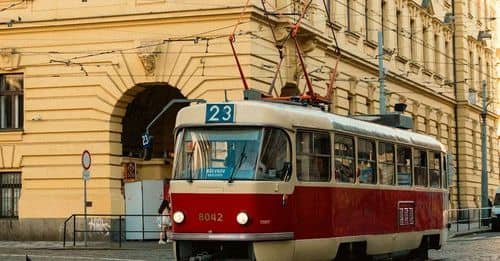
x=165, y=221
x=490, y=206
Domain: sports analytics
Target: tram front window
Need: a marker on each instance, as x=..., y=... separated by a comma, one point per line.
x=228, y=154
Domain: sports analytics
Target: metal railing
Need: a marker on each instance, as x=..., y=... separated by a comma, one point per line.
x=104, y=226
x=469, y=220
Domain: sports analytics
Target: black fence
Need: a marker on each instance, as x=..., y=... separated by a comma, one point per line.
x=110, y=227
x=467, y=220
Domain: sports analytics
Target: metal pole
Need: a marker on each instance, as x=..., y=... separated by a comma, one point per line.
x=74, y=230
x=120, y=231
x=484, y=154
x=85, y=211
x=381, y=71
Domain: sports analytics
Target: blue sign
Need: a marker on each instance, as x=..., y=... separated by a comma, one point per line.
x=146, y=140
x=217, y=173
x=219, y=113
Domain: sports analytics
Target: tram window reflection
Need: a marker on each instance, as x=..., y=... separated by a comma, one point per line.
x=420, y=158
x=367, y=162
x=404, y=166
x=218, y=154
x=435, y=169
x=313, y=156
x=275, y=156
x=386, y=163
x=344, y=159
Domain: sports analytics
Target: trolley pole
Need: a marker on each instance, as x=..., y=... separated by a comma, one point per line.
x=381, y=71
x=484, y=155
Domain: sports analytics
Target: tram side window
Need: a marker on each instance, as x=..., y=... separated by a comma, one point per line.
x=386, y=163
x=404, y=166
x=444, y=173
x=435, y=169
x=275, y=156
x=344, y=158
x=313, y=156
x=367, y=162
x=420, y=159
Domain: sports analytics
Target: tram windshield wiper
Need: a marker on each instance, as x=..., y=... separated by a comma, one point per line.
x=190, y=168
x=237, y=167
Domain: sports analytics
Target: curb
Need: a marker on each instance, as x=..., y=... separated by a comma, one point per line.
x=477, y=231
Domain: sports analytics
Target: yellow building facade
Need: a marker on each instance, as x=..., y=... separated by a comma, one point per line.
x=80, y=75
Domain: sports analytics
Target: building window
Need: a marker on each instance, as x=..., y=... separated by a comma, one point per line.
x=448, y=60
x=10, y=190
x=11, y=101
x=349, y=15
x=413, y=48
x=399, y=31
x=490, y=159
x=437, y=54
x=480, y=71
x=471, y=70
x=367, y=25
x=313, y=156
x=382, y=22
x=352, y=104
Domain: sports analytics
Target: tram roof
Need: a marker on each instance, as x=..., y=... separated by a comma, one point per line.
x=293, y=116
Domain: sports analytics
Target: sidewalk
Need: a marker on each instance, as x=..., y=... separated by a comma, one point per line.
x=98, y=245
x=96, y=251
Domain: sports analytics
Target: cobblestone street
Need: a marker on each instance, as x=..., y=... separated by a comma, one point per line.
x=483, y=247
x=45, y=251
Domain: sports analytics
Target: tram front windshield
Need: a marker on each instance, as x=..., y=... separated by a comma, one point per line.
x=232, y=154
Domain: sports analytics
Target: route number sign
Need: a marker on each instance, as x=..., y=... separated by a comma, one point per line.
x=219, y=113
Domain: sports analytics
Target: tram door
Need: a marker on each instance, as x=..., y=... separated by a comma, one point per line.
x=313, y=194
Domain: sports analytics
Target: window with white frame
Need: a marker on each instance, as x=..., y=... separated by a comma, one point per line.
x=11, y=101
x=10, y=191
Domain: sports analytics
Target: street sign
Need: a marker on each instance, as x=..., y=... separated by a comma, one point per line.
x=86, y=174
x=129, y=171
x=146, y=140
x=86, y=160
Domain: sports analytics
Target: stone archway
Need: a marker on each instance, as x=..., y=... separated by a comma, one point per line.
x=145, y=101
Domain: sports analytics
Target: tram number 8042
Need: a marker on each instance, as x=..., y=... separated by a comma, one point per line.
x=210, y=217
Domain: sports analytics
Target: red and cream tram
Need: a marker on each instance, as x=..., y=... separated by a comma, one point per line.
x=257, y=180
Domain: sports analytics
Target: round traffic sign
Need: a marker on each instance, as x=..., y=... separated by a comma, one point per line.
x=86, y=159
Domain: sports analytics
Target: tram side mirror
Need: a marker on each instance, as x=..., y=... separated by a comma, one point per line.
x=287, y=171
x=147, y=145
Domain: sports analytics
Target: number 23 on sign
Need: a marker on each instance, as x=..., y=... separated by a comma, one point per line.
x=219, y=113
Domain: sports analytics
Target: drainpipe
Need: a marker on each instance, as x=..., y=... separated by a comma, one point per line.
x=454, y=44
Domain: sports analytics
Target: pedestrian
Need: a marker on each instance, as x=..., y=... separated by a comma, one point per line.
x=165, y=221
x=490, y=206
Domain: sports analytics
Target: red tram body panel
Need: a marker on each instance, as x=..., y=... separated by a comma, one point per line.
x=310, y=212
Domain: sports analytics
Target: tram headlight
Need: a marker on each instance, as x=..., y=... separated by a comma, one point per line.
x=242, y=218
x=178, y=217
